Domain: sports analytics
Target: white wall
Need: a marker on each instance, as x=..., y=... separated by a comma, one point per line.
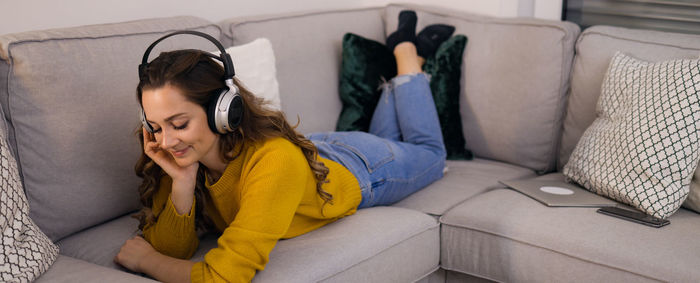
x=25, y=15
x=543, y=9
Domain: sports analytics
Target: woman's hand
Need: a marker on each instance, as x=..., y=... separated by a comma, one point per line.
x=139, y=256
x=134, y=252
x=166, y=161
x=184, y=178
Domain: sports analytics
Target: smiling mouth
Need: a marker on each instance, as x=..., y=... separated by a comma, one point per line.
x=180, y=153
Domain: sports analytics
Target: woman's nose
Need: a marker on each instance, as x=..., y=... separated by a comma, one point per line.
x=168, y=140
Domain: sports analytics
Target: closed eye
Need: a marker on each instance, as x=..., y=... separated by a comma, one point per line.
x=181, y=127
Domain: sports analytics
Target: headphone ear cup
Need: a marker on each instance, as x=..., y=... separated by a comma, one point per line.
x=211, y=112
x=235, y=111
x=232, y=115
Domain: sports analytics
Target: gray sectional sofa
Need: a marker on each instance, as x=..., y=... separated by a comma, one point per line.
x=529, y=89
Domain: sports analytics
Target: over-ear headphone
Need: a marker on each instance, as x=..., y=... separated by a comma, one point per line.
x=225, y=110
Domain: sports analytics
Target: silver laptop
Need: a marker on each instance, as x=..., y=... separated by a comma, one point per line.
x=558, y=193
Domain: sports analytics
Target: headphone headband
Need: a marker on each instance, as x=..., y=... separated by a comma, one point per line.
x=225, y=58
x=225, y=110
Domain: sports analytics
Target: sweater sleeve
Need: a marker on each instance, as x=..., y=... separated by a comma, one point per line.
x=173, y=234
x=272, y=190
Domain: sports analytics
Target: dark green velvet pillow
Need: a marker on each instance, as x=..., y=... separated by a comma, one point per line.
x=445, y=68
x=367, y=64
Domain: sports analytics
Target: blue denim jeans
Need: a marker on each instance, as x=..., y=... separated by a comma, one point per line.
x=403, y=151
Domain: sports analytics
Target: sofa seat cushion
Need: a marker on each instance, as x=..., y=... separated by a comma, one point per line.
x=69, y=270
x=506, y=236
x=364, y=247
x=101, y=243
x=463, y=180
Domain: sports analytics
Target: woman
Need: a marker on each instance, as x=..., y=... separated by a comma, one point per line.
x=264, y=182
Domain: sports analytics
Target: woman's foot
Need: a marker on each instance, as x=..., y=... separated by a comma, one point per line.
x=406, y=30
x=429, y=39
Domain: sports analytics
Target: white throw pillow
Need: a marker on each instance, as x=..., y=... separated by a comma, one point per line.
x=254, y=64
x=643, y=147
x=26, y=251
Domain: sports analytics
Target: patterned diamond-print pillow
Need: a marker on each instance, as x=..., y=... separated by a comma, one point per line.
x=25, y=251
x=643, y=147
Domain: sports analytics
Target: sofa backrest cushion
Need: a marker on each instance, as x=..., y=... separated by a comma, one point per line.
x=308, y=52
x=515, y=75
x=69, y=99
x=594, y=50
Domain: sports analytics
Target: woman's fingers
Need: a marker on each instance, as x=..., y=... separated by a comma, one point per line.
x=133, y=252
x=150, y=146
x=146, y=135
x=146, y=141
x=165, y=160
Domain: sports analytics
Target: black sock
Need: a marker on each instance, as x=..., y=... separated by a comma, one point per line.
x=406, y=30
x=429, y=39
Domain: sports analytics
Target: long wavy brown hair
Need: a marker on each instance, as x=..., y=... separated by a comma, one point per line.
x=200, y=78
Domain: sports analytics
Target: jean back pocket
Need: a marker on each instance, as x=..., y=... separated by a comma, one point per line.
x=372, y=150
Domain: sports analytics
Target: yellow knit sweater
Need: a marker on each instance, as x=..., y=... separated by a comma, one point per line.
x=266, y=194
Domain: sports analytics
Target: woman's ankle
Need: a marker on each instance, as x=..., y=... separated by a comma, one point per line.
x=407, y=59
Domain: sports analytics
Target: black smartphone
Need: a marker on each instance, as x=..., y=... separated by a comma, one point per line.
x=634, y=216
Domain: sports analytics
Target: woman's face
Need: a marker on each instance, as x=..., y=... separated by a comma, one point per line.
x=180, y=126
